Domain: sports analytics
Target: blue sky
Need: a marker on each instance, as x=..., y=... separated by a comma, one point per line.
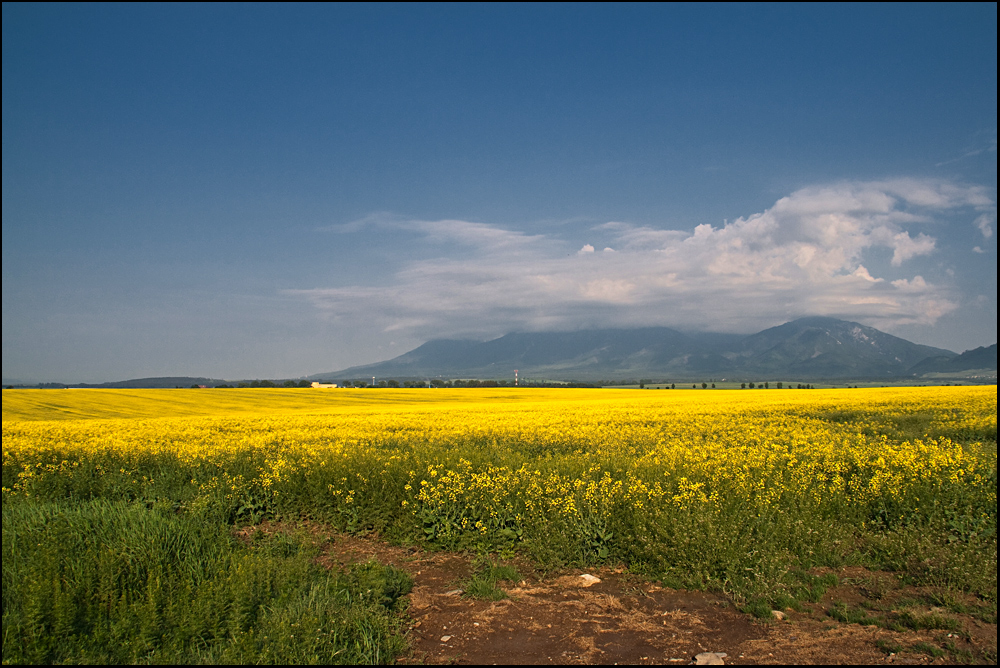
x=244, y=191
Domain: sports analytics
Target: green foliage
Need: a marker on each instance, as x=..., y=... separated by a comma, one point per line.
x=812, y=587
x=117, y=582
x=758, y=607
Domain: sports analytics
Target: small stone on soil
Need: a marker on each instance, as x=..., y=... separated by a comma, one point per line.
x=710, y=659
x=589, y=579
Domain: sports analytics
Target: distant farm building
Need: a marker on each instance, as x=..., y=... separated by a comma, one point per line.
x=321, y=386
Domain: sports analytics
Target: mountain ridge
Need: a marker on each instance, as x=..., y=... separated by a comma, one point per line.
x=811, y=347
x=981, y=358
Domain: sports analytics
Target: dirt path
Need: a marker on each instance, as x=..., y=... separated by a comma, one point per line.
x=565, y=618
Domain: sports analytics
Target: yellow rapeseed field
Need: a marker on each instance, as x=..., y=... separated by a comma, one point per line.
x=585, y=474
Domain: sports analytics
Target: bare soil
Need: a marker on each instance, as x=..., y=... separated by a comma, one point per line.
x=559, y=618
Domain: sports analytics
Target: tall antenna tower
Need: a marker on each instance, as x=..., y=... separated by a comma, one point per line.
x=515, y=377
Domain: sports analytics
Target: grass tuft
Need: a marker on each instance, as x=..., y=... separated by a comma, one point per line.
x=487, y=574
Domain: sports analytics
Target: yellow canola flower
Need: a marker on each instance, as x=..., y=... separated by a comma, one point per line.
x=489, y=461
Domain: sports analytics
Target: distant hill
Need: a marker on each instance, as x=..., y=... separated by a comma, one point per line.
x=978, y=359
x=804, y=348
x=141, y=383
x=165, y=382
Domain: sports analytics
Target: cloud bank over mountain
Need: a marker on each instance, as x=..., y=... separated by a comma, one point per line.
x=811, y=253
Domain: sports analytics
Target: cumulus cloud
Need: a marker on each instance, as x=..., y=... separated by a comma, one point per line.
x=802, y=256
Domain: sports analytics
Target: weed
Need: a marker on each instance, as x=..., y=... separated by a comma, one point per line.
x=927, y=648
x=959, y=654
x=927, y=622
x=876, y=587
x=848, y=615
x=484, y=583
x=888, y=646
x=812, y=587
x=759, y=608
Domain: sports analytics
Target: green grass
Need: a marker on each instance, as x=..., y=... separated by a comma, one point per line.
x=888, y=646
x=929, y=649
x=896, y=619
x=959, y=654
x=929, y=622
x=849, y=615
x=119, y=583
x=487, y=574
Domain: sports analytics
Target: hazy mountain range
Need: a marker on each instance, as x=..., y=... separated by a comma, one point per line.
x=805, y=348
x=133, y=384
x=808, y=348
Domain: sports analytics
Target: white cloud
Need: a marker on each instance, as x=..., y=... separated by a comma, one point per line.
x=862, y=272
x=458, y=231
x=802, y=256
x=904, y=247
x=985, y=223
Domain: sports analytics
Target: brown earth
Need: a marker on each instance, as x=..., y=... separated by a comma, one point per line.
x=556, y=618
